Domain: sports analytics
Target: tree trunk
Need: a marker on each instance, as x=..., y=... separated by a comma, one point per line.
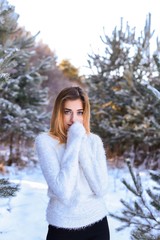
x=10, y=159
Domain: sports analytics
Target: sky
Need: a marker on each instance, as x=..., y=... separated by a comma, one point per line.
x=73, y=28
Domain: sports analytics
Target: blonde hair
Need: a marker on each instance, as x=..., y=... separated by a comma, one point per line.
x=57, y=128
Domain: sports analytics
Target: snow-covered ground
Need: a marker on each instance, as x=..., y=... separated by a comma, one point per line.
x=23, y=216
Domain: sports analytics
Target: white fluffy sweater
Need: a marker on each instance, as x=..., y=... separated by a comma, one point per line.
x=76, y=174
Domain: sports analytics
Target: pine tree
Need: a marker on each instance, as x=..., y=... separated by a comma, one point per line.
x=70, y=71
x=7, y=54
x=124, y=113
x=143, y=211
x=22, y=97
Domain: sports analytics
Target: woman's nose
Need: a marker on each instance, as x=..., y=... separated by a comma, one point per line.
x=73, y=117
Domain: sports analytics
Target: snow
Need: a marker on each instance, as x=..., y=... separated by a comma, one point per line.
x=23, y=216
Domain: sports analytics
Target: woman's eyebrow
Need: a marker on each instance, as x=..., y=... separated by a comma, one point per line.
x=81, y=109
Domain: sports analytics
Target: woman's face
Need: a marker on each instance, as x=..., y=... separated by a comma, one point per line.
x=72, y=112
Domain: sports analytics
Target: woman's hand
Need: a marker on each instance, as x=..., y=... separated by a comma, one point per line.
x=76, y=130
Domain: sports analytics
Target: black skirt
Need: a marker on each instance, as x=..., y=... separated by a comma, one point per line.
x=96, y=231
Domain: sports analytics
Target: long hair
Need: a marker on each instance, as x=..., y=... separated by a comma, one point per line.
x=57, y=128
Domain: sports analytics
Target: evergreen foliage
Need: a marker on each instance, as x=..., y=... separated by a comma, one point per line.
x=124, y=112
x=8, y=189
x=142, y=212
x=69, y=70
x=8, y=22
x=22, y=97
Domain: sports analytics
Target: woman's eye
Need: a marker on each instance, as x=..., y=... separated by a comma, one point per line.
x=80, y=113
x=67, y=112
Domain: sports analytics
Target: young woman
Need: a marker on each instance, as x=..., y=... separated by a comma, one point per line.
x=74, y=165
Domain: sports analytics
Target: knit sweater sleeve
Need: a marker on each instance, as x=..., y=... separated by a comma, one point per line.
x=94, y=164
x=60, y=174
